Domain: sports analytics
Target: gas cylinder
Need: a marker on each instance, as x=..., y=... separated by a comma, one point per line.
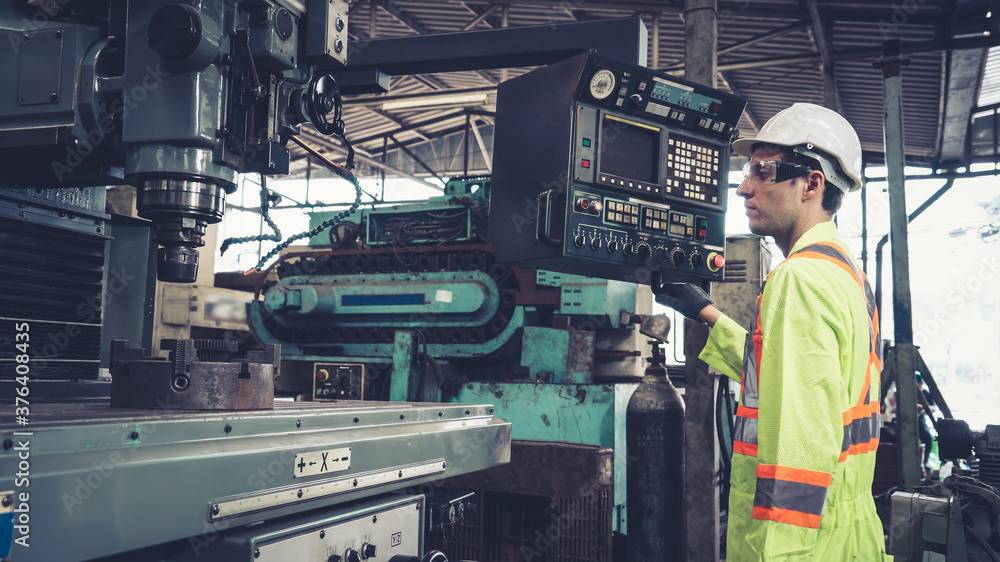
x=655, y=447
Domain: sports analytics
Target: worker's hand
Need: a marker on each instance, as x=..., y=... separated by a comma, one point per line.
x=685, y=298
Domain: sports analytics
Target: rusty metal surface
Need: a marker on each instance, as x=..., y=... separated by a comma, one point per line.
x=199, y=375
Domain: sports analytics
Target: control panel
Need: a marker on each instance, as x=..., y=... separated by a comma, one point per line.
x=338, y=381
x=643, y=198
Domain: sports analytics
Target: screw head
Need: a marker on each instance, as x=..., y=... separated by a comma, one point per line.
x=7, y=500
x=355, y=481
x=228, y=428
x=356, y=420
x=298, y=423
x=215, y=509
x=7, y=444
x=374, y=518
x=256, y=553
x=134, y=435
x=299, y=493
x=402, y=417
x=322, y=534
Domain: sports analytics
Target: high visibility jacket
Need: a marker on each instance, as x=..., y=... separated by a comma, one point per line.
x=808, y=421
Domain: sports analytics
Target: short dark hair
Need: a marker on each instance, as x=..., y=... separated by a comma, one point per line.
x=833, y=197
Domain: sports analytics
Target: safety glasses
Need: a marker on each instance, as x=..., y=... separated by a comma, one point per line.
x=773, y=171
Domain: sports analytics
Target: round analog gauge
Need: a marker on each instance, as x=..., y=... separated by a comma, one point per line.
x=602, y=84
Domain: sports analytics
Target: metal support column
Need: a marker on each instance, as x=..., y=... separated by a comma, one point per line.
x=701, y=449
x=904, y=351
x=403, y=383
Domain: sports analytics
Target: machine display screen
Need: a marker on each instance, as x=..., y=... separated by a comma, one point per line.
x=629, y=149
x=684, y=96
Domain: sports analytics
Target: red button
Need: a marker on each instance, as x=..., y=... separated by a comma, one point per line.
x=701, y=234
x=585, y=163
x=719, y=261
x=584, y=204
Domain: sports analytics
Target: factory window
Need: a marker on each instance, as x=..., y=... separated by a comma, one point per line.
x=300, y=209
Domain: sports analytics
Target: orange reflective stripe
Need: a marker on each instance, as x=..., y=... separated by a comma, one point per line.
x=746, y=412
x=861, y=412
x=860, y=448
x=748, y=449
x=819, y=256
x=802, y=475
x=788, y=516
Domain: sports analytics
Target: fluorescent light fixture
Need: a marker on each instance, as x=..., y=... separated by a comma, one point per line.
x=436, y=101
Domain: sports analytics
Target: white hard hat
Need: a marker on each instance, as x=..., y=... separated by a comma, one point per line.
x=815, y=131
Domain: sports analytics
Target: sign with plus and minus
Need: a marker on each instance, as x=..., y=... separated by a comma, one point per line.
x=322, y=462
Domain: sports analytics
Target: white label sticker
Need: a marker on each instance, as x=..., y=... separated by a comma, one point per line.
x=322, y=462
x=442, y=296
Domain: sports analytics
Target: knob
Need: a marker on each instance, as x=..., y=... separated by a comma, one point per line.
x=596, y=243
x=612, y=246
x=352, y=555
x=644, y=250
x=368, y=550
x=322, y=375
x=628, y=249
x=334, y=558
x=677, y=256
x=634, y=100
x=579, y=240
x=174, y=31
x=696, y=259
x=660, y=254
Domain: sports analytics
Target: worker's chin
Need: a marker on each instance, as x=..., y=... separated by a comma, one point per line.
x=759, y=228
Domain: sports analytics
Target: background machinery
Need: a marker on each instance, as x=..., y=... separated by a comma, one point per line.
x=193, y=457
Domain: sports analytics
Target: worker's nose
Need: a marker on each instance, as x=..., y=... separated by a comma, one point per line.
x=744, y=190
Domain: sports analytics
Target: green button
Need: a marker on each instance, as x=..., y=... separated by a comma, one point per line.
x=586, y=142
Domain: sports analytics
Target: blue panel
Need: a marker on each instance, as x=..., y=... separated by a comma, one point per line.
x=383, y=300
x=6, y=534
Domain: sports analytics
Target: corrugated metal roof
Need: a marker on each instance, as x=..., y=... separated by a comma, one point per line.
x=771, y=73
x=990, y=92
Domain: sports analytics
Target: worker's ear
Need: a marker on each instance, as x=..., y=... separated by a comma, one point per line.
x=813, y=186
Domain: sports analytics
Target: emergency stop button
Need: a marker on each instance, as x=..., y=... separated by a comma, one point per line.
x=715, y=261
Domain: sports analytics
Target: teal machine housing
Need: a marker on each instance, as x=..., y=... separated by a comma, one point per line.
x=436, y=318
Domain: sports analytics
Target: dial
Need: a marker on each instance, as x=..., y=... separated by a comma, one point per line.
x=677, y=256
x=602, y=84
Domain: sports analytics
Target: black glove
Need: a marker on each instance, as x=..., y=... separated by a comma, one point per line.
x=685, y=298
